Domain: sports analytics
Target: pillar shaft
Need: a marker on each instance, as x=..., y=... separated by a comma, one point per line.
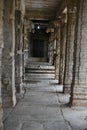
x=79, y=82
x=8, y=59
x=71, y=24
x=1, y=46
x=62, y=51
x=18, y=49
x=51, y=49
x=57, y=52
x=27, y=51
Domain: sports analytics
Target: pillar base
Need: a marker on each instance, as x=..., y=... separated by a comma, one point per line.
x=78, y=102
x=67, y=89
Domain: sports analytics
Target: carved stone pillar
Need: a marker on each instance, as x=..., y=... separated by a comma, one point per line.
x=51, y=48
x=1, y=46
x=19, y=19
x=26, y=41
x=57, y=50
x=17, y=49
x=71, y=24
x=8, y=56
x=79, y=81
x=62, y=48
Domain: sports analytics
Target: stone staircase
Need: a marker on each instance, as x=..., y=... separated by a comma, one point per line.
x=36, y=71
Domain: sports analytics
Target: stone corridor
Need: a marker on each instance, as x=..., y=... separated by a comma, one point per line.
x=43, y=64
x=44, y=107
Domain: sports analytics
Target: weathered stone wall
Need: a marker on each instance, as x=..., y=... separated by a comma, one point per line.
x=8, y=58
x=79, y=82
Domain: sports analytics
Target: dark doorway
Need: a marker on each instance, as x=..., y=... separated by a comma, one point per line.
x=39, y=40
x=38, y=48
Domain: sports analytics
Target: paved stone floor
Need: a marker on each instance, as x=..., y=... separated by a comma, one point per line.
x=44, y=107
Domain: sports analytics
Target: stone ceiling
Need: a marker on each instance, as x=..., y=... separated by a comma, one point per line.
x=42, y=9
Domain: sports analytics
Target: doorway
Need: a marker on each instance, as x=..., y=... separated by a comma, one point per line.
x=38, y=48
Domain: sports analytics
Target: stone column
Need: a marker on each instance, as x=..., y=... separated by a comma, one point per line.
x=62, y=48
x=26, y=41
x=18, y=50
x=79, y=81
x=71, y=24
x=51, y=47
x=21, y=55
x=57, y=50
x=8, y=61
x=1, y=46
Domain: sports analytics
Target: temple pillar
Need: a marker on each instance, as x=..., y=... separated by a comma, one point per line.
x=62, y=48
x=8, y=55
x=1, y=47
x=79, y=81
x=70, y=37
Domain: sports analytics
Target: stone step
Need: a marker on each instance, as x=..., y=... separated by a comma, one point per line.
x=39, y=76
x=39, y=71
x=40, y=67
x=38, y=63
x=37, y=59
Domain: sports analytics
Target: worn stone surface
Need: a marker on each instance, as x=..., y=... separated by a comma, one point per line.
x=44, y=108
x=39, y=109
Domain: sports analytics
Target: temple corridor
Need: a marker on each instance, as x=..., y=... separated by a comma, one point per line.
x=43, y=64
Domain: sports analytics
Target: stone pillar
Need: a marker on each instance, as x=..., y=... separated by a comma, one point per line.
x=62, y=48
x=1, y=46
x=18, y=50
x=19, y=46
x=26, y=41
x=21, y=55
x=51, y=47
x=8, y=61
x=79, y=81
x=57, y=50
x=71, y=24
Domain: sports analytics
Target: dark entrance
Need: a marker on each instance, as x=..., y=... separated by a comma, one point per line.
x=39, y=41
x=38, y=48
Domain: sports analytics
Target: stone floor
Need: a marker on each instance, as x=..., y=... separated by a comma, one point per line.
x=44, y=107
